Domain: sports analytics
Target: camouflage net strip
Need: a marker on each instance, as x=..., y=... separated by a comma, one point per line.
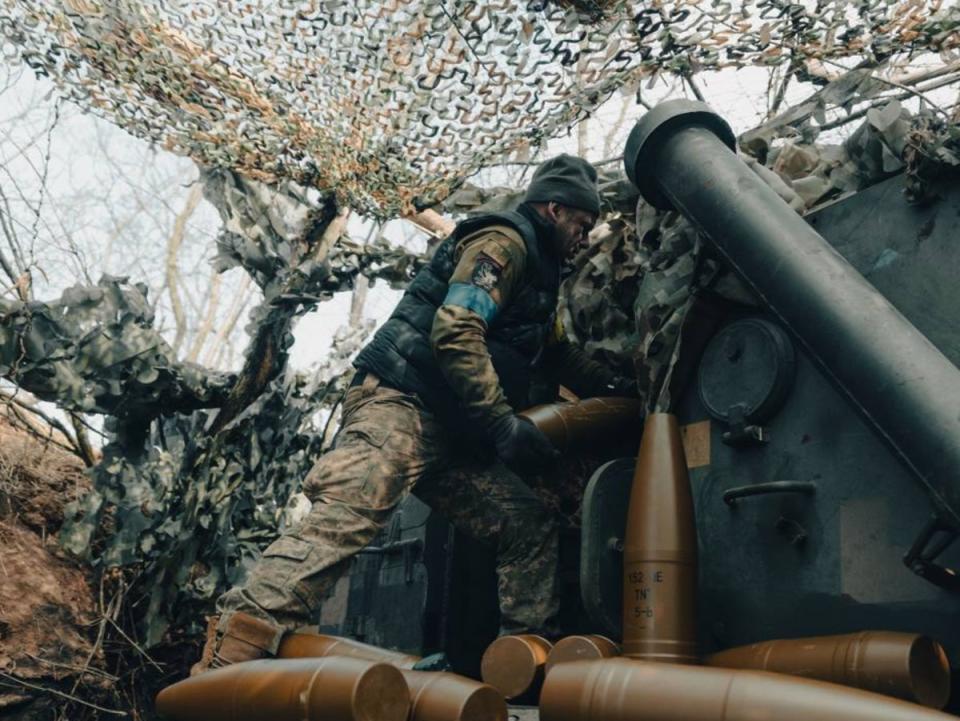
x=392, y=104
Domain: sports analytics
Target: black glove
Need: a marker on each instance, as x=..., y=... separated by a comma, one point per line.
x=625, y=387
x=521, y=445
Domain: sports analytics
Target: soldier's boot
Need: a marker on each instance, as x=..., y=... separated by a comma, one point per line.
x=244, y=638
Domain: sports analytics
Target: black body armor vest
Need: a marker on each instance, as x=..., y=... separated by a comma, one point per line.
x=400, y=353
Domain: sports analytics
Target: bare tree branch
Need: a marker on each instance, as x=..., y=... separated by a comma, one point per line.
x=9, y=233
x=857, y=115
x=172, y=270
x=438, y=226
x=781, y=91
x=213, y=301
x=82, y=440
x=688, y=78
x=908, y=90
x=331, y=234
x=43, y=177
x=45, y=430
x=358, y=299
x=614, y=134
x=219, y=346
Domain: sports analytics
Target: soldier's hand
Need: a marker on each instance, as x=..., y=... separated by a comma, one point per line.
x=521, y=445
x=625, y=387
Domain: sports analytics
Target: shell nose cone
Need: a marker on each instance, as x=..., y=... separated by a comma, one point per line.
x=660, y=550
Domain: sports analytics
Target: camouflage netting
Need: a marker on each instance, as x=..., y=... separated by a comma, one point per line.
x=95, y=351
x=392, y=104
x=189, y=495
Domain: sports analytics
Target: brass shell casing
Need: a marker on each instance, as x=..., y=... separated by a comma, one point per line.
x=586, y=423
x=660, y=551
x=440, y=696
x=620, y=689
x=514, y=665
x=317, y=645
x=581, y=648
x=435, y=696
x=314, y=689
x=905, y=665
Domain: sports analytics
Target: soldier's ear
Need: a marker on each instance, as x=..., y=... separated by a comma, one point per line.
x=553, y=212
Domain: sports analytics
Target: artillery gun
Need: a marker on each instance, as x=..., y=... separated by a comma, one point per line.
x=822, y=432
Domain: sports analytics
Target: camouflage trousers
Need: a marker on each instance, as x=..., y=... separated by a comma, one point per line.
x=388, y=446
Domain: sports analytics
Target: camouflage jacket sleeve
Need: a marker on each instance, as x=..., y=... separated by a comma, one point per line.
x=572, y=367
x=489, y=269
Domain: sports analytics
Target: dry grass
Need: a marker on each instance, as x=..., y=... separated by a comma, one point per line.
x=37, y=479
x=67, y=649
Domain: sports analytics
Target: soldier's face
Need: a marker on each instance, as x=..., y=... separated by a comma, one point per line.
x=572, y=226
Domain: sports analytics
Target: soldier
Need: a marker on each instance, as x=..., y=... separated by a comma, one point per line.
x=432, y=410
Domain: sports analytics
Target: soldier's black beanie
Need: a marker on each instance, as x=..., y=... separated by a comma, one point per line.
x=567, y=180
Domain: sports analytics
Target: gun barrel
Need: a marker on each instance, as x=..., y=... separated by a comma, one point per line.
x=680, y=156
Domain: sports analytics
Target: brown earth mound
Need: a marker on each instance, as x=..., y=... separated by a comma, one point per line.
x=48, y=614
x=45, y=610
x=37, y=479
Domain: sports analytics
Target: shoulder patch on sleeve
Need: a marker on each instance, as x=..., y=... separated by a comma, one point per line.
x=501, y=243
x=486, y=272
x=504, y=250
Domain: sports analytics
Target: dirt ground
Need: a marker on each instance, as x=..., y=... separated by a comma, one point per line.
x=48, y=612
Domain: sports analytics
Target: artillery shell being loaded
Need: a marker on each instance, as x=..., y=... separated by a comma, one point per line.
x=660, y=551
x=585, y=423
x=440, y=696
x=581, y=648
x=310, y=689
x=620, y=689
x=905, y=665
x=514, y=665
x=316, y=645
